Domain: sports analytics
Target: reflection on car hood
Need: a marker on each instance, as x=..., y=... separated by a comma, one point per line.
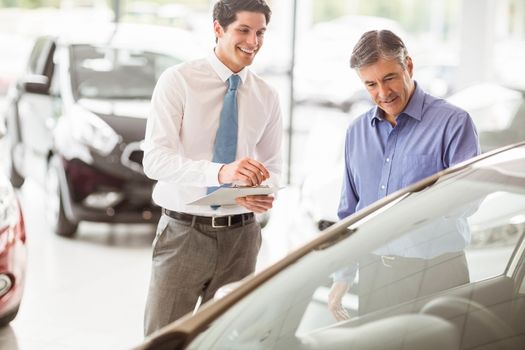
x=124, y=108
x=126, y=117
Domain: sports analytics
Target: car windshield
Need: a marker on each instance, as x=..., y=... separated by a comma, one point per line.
x=116, y=73
x=425, y=260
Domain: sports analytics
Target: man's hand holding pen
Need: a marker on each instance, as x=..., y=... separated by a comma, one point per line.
x=247, y=172
x=243, y=172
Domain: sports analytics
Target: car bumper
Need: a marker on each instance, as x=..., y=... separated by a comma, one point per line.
x=95, y=195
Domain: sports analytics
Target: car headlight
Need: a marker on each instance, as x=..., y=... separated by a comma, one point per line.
x=92, y=131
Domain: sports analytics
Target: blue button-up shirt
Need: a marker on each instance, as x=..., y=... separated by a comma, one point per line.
x=430, y=135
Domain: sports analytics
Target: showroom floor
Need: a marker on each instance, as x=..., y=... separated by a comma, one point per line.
x=89, y=292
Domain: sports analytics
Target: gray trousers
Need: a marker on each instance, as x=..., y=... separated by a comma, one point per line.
x=192, y=260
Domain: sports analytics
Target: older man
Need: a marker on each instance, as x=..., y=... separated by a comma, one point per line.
x=406, y=137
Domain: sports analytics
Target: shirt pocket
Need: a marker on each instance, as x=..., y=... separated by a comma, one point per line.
x=417, y=167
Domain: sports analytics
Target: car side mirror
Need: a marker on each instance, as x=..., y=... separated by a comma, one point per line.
x=36, y=83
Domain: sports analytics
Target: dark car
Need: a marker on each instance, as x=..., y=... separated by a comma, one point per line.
x=76, y=119
x=452, y=248
x=12, y=253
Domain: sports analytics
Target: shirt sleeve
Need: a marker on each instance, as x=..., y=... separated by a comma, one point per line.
x=163, y=152
x=349, y=196
x=461, y=141
x=268, y=149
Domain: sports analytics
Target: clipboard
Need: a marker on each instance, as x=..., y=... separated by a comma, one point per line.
x=227, y=195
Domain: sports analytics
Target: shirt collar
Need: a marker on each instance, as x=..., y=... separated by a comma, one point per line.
x=224, y=72
x=414, y=108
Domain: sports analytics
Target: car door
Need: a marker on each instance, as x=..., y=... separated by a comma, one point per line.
x=35, y=105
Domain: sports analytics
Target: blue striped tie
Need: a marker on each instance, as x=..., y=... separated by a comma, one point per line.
x=225, y=147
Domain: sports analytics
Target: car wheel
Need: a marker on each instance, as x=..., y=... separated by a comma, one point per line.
x=55, y=215
x=4, y=321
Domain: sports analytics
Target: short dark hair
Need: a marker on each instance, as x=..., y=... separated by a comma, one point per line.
x=376, y=44
x=225, y=11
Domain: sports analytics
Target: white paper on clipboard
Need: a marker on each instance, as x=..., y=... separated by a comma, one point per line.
x=227, y=195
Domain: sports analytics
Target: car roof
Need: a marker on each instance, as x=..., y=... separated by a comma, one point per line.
x=161, y=39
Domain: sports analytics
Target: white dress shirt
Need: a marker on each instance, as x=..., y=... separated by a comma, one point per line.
x=181, y=128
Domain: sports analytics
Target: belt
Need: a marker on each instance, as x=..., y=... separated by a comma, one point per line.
x=213, y=221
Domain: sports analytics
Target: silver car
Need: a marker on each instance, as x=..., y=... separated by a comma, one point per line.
x=454, y=244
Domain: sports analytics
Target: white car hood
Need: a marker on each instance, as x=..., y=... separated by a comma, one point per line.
x=128, y=108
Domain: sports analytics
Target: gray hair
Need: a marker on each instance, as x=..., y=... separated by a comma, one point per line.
x=377, y=44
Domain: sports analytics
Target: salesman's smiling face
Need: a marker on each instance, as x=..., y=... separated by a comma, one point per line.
x=239, y=42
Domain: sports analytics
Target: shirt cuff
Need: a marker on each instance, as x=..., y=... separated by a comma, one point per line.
x=212, y=174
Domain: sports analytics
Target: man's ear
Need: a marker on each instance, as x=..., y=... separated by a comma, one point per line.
x=217, y=29
x=410, y=66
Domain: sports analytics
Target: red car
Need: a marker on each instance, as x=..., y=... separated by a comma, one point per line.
x=12, y=253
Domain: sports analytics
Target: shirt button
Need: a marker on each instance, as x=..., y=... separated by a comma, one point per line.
x=382, y=187
x=388, y=160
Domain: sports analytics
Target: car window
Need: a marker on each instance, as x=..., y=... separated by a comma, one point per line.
x=447, y=250
x=472, y=243
x=38, y=56
x=116, y=73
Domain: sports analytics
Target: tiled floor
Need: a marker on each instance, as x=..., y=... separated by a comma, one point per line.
x=89, y=292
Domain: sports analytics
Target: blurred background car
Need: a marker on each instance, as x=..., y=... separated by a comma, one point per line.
x=451, y=214
x=76, y=118
x=437, y=79
x=323, y=168
x=12, y=49
x=12, y=253
x=498, y=112
x=322, y=71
